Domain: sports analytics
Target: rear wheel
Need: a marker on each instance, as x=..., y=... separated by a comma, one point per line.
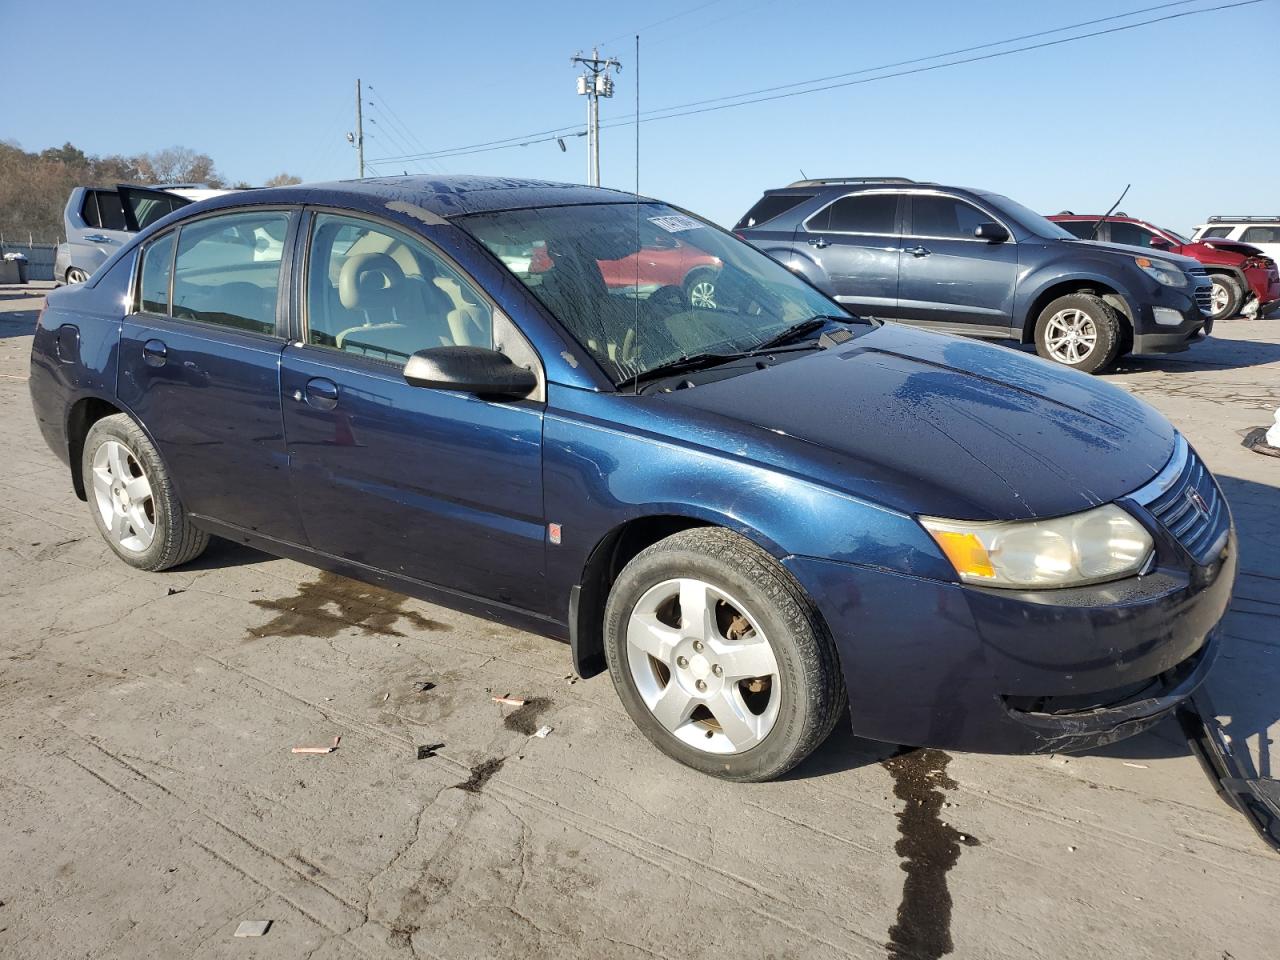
x=1225, y=297
x=1081, y=331
x=76, y=275
x=700, y=289
x=720, y=658
x=132, y=498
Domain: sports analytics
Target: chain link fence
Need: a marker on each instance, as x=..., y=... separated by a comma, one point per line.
x=39, y=255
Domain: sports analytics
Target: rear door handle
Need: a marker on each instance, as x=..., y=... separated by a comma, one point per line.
x=818, y=242
x=155, y=353
x=97, y=238
x=320, y=393
x=918, y=251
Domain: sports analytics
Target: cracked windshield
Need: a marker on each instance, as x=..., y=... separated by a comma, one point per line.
x=640, y=292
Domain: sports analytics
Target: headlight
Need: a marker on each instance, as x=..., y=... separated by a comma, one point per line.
x=1091, y=547
x=1162, y=271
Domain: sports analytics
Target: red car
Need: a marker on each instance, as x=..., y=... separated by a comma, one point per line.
x=1243, y=276
x=662, y=261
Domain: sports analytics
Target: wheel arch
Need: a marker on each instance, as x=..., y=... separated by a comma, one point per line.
x=1062, y=288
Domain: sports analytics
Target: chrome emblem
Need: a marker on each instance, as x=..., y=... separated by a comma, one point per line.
x=1197, y=501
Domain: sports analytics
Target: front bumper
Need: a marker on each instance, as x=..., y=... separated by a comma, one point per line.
x=944, y=665
x=1150, y=337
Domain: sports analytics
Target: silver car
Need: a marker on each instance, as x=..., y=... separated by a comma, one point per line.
x=98, y=220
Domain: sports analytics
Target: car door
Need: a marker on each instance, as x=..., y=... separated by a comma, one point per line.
x=436, y=485
x=950, y=279
x=95, y=226
x=198, y=366
x=855, y=242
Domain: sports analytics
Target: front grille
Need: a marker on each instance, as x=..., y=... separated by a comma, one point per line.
x=1186, y=500
x=1203, y=290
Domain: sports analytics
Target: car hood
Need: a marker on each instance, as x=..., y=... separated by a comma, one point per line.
x=931, y=424
x=1244, y=250
x=1186, y=263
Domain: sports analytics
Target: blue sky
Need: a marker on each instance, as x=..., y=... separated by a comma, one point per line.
x=1185, y=110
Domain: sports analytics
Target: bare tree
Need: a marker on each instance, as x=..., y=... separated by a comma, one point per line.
x=179, y=165
x=283, y=180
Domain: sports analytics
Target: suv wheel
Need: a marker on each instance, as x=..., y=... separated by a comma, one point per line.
x=132, y=499
x=700, y=289
x=720, y=658
x=1225, y=297
x=1080, y=331
x=76, y=275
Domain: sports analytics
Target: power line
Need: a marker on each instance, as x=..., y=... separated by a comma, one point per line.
x=412, y=140
x=665, y=113
x=658, y=23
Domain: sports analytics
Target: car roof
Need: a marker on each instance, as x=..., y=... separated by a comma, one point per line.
x=441, y=196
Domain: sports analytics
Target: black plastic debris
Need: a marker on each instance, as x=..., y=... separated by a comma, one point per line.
x=428, y=750
x=1256, y=440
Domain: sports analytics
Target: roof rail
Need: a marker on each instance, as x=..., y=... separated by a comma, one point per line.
x=1275, y=218
x=833, y=181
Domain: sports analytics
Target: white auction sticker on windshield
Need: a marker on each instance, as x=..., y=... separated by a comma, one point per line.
x=675, y=222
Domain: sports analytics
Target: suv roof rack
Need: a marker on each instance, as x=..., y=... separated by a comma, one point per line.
x=1275, y=218
x=835, y=181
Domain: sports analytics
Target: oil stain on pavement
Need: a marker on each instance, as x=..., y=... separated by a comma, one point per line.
x=524, y=719
x=332, y=603
x=929, y=848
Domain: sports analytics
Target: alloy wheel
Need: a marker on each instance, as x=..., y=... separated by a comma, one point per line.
x=703, y=294
x=123, y=497
x=703, y=666
x=76, y=275
x=1070, y=336
x=1219, y=298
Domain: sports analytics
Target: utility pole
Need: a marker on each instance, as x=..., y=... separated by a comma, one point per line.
x=358, y=138
x=594, y=83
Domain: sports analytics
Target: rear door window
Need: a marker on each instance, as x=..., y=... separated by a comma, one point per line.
x=771, y=206
x=227, y=271
x=153, y=285
x=1262, y=235
x=860, y=213
x=1130, y=233
x=946, y=218
x=1083, y=229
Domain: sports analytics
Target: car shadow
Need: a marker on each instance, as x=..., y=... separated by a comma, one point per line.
x=223, y=554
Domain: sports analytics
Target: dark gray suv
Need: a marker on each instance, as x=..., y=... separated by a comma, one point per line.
x=977, y=263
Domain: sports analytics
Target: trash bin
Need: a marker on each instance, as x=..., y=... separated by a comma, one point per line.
x=16, y=269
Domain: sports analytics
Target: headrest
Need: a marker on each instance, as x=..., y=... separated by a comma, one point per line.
x=366, y=275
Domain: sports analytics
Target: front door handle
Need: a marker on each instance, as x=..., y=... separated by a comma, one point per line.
x=818, y=242
x=918, y=251
x=321, y=394
x=97, y=238
x=154, y=353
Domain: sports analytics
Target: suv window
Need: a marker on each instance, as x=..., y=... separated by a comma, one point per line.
x=1261, y=235
x=227, y=271
x=102, y=209
x=1219, y=232
x=859, y=213
x=1083, y=229
x=770, y=206
x=944, y=217
x=153, y=286
x=1130, y=233
x=377, y=292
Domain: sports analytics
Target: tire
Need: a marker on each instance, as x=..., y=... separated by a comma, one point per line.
x=1227, y=297
x=700, y=289
x=761, y=623
x=117, y=454
x=1099, y=328
x=76, y=275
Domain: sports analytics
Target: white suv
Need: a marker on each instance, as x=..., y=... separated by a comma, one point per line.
x=1261, y=232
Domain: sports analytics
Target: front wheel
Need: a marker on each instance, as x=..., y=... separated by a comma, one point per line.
x=1225, y=297
x=720, y=658
x=132, y=498
x=700, y=289
x=1080, y=331
x=76, y=275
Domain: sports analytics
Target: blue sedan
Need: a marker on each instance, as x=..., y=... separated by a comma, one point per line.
x=757, y=512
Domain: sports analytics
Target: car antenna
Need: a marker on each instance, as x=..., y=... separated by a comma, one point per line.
x=802, y=174
x=636, y=293
x=1119, y=200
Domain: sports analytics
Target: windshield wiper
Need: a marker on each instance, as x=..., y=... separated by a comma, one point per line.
x=794, y=332
x=693, y=361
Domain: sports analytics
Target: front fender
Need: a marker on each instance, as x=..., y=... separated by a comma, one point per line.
x=1037, y=285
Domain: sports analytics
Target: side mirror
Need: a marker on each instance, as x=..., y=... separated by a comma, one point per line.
x=1159, y=243
x=991, y=232
x=478, y=370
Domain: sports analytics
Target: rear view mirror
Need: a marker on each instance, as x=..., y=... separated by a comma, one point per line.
x=991, y=232
x=478, y=370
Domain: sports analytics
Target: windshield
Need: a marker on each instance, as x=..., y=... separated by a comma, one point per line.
x=1028, y=218
x=1179, y=238
x=639, y=288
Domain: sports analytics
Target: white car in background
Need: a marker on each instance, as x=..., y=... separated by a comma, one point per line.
x=1261, y=232
x=99, y=220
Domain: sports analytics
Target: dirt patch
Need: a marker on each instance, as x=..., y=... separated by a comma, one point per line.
x=480, y=774
x=332, y=603
x=929, y=848
x=525, y=719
